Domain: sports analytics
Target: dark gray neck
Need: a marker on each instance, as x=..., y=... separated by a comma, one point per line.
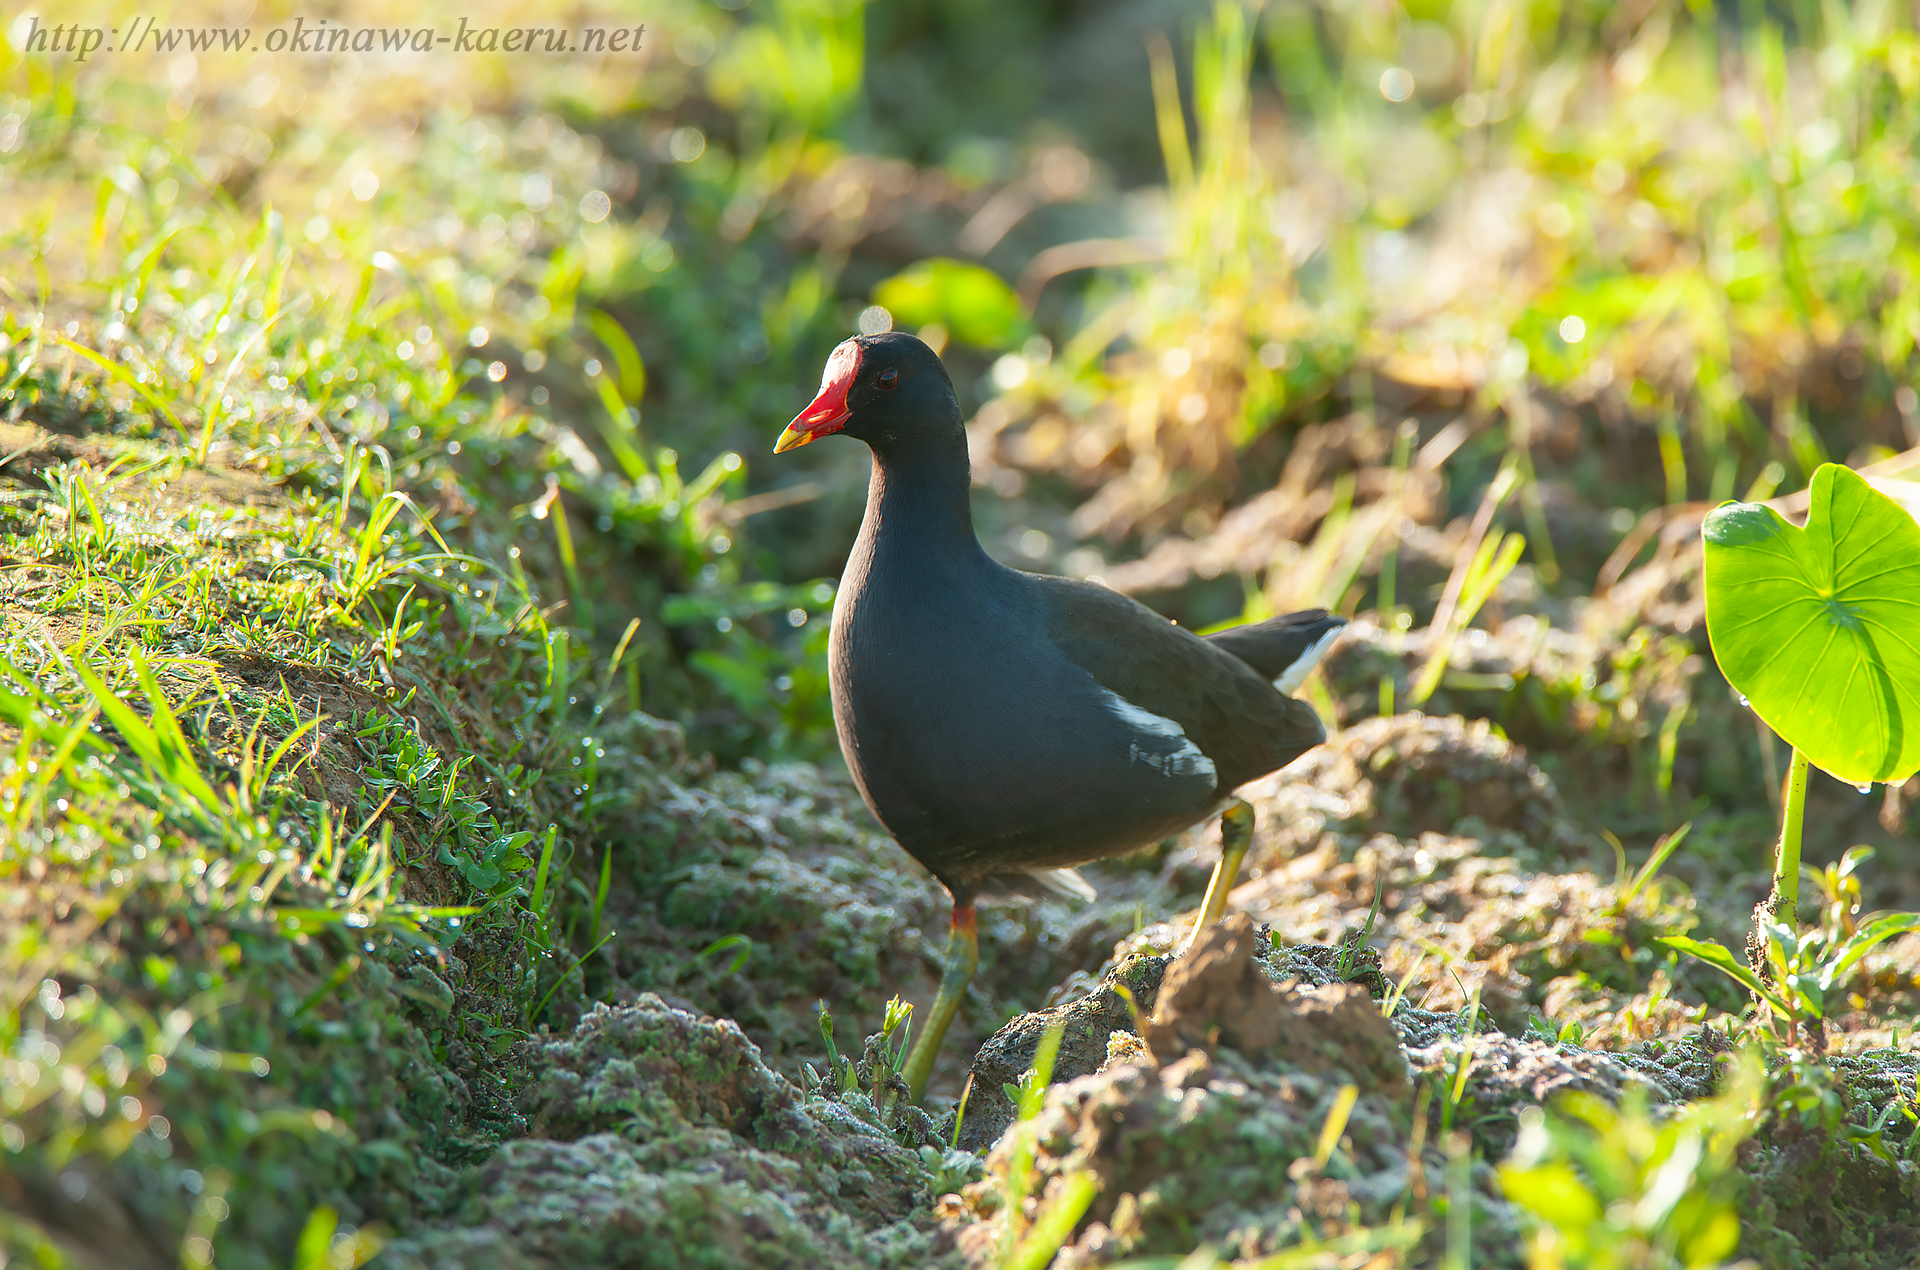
x=920, y=494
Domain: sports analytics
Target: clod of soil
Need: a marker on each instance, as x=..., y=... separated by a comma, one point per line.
x=1087, y=1025
x=1215, y=994
x=1219, y=1145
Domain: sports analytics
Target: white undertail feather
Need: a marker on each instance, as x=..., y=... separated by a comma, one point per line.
x=1065, y=883
x=1295, y=674
x=1023, y=886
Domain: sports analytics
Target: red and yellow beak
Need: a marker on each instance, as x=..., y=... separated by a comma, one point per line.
x=829, y=412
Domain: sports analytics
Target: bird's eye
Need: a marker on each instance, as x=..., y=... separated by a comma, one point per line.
x=886, y=380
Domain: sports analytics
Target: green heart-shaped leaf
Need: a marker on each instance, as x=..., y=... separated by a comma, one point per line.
x=1819, y=628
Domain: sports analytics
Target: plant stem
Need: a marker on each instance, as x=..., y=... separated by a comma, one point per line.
x=1786, y=874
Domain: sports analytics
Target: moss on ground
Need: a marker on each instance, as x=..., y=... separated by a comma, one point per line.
x=657, y=1137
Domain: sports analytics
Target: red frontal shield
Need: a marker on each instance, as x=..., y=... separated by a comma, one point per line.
x=828, y=413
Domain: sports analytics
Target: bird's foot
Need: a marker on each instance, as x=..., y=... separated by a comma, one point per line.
x=963, y=957
x=1236, y=837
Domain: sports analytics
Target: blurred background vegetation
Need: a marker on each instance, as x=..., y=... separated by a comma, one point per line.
x=1453, y=316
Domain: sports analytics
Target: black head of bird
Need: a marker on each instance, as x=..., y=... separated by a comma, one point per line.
x=887, y=390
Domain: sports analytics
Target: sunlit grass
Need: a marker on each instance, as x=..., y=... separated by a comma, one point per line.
x=254, y=539
x=1502, y=213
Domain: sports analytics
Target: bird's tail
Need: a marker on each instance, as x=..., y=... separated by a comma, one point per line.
x=1282, y=649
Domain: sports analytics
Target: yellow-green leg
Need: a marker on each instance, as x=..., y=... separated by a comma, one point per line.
x=963, y=956
x=1236, y=836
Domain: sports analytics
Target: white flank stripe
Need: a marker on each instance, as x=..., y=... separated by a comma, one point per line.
x=1186, y=758
x=1297, y=672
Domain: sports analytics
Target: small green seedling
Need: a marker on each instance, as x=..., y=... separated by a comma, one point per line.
x=743, y=943
x=1350, y=946
x=1801, y=969
x=868, y=1080
x=1544, y=1030
x=1029, y=1093
x=1604, y=1185
x=1625, y=888
x=1814, y=628
x=1839, y=885
x=839, y=1070
x=898, y=1019
x=1034, y=1246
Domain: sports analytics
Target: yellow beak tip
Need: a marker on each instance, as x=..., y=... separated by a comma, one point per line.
x=792, y=439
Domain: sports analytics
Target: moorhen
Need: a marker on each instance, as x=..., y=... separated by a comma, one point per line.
x=1006, y=726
